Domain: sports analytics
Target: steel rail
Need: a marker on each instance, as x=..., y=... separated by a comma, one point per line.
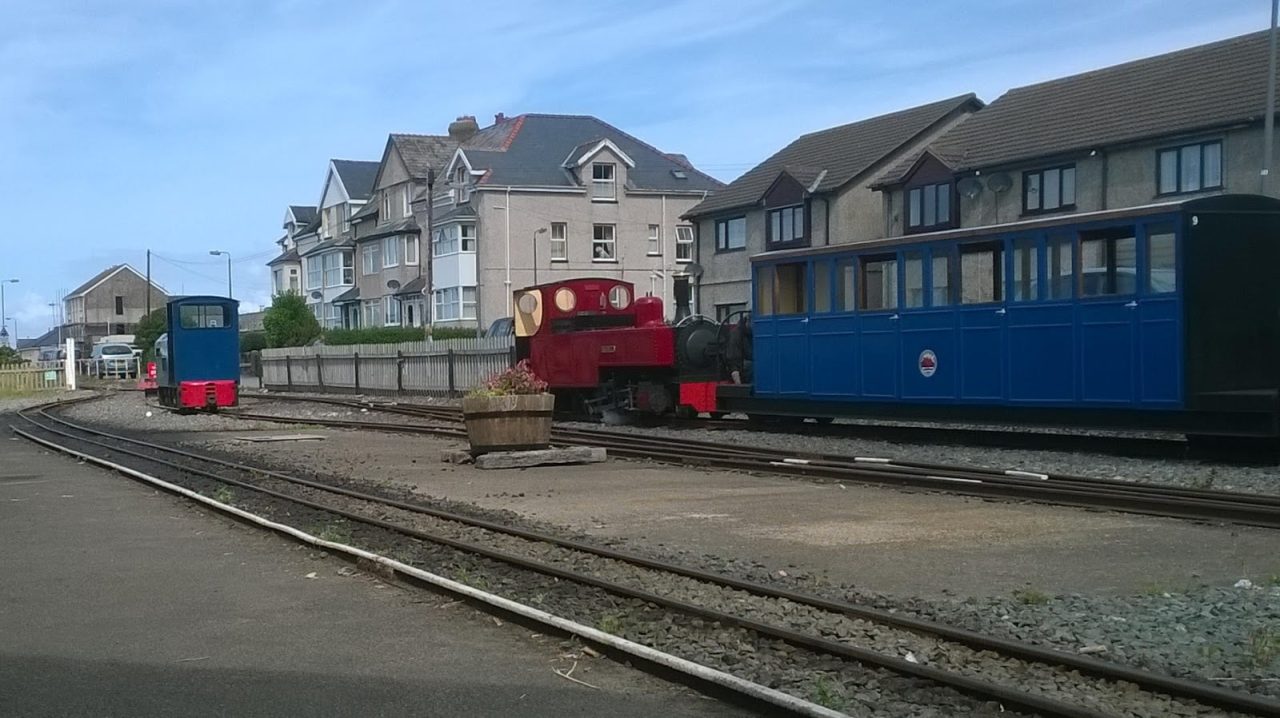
x=1010, y=697
x=1202, y=692
x=1147, y=499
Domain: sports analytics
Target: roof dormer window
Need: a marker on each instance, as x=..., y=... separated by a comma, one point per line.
x=604, y=185
x=462, y=193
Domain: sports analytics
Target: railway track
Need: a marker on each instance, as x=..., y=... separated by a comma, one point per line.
x=1059, y=489
x=806, y=633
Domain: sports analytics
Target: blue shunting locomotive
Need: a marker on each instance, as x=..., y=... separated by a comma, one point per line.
x=198, y=358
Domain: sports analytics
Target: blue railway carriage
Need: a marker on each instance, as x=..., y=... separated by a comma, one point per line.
x=1165, y=316
x=198, y=358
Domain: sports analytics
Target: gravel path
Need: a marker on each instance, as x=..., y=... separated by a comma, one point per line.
x=1189, y=474
x=17, y=403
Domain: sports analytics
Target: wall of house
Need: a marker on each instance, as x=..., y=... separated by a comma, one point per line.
x=726, y=277
x=631, y=216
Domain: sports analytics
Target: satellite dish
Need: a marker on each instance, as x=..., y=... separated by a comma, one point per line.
x=693, y=269
x=393, y=285
x=317, y=295
x=999, y=182
x=969, y=187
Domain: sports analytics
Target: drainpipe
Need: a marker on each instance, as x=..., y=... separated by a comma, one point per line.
x=662, y=250
x=826, y=219
x=1104, y=179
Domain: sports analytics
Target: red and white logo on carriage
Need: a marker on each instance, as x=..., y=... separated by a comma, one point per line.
x=928, y=362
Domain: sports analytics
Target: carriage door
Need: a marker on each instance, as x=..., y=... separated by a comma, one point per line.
x=1159, y=332
x=982, y=322
x=791, y=326
x=1107, y=289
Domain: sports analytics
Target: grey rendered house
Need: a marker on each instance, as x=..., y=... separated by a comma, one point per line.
x=390, y=275
x=1183, y=124
x=814, y=191
x=286, y=267
x=328, y=260
x=112, y=302
x=537, y=198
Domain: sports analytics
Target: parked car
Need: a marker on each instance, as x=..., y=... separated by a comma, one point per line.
x=113, y=360
x=503, y=327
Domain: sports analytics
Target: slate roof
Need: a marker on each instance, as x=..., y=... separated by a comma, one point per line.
x=100, y=276
x=48, y=339
x=328, y=244
x=351, y=295
x=423, y=152
x=1214, y=85
x=845, y=152
x=370, y=209
x=529, y=150
x=357, y=176
x=402, y=225
x=462, y=211
x=305, y=214
x=414, y=286
x=289, y=256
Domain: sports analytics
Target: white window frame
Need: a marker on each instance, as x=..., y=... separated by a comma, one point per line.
x=369, y=259
x=561, y=241
x=655, y=240
x=604, y=189
x=277, y=280
x=390, y=258
x=611, y=242
x=348, y=264
x=386, y=205
x=447, y=304
x=410, y=241
x=344, y=212
x=462, y=180
x=467, y=231
x=332, y=315
x=445, y=242
x=684, y=243
x=468, y=303
x=407, y=208
x=390, y=311
x=331, y=266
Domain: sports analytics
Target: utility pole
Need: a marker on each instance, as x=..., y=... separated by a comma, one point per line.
x=429, y=306
x=1269, y=124
x=216, y=252
x=536, y=232
x=4, y=318
x=148, y=283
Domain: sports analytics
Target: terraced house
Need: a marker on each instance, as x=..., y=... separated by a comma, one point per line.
x=391, y=274
x=537, y=198
x=814, y=191
x=1183, y=124
x=327, y=251
x=286, y=268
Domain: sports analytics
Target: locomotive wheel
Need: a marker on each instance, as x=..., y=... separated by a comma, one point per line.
x=684, y=411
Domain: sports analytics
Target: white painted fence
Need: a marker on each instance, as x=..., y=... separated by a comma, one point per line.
x=449, y=366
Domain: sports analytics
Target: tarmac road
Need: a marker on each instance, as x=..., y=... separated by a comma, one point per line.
x=117, y=600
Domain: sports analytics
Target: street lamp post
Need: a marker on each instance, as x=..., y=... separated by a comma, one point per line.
x=4, y=326
x=216, y=252
x=536, y=232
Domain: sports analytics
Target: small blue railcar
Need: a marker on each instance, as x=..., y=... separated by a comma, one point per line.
x=1165, y=316
x=198, y=358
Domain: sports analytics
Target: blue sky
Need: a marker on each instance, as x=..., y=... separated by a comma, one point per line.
x=184, y=126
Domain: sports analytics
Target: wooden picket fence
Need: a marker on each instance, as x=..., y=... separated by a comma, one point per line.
x=32, y=376
x=447, y=367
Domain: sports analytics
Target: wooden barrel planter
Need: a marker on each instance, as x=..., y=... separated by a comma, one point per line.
x=517, y=422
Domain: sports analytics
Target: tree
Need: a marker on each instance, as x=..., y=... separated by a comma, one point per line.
x=289, y=323
x=149, y=330
x=9, y=355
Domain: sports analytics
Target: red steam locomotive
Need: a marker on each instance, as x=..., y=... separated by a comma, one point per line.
x=602, y=349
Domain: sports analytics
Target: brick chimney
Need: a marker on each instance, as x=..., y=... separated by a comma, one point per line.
x=498, y=118
x=463, y=128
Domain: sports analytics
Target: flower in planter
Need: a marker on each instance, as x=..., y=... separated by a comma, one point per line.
x=516, y=380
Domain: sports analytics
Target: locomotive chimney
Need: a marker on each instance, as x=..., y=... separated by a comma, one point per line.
x=683, y=293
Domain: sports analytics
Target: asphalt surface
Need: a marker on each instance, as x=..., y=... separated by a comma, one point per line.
x=117, y=600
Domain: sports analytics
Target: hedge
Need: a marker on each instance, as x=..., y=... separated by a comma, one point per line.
x=391, y=335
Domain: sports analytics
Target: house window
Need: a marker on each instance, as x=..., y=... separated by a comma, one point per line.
x=348, y=268
x=391, y=311
x=559, y=242
x=386, y=205
x=603, y=247
x=332, y=315
x=344, y=211
x=372, y=313
x=293, y=281
x=463, y=191
x=1190, y=168
x=410, y=250
x=391, y=252
x=655, y=240
x=603, y=185
x=1049, y=190
x=338, y=268
x=119, y=306
x=786, y=224
x=446, y=242
x=468, y=235
x=468, y=302
x=277, y=281
x=455, y=303
x=684, y=243
x=406, y=201
x=314, y=276
x=929, y=206
x=369, y=259
x=731, y=234
x=724, y=311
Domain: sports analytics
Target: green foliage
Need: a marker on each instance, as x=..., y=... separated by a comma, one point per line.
x=289, y=322
x=1264, y=646
x=453, y=333
x=518, y=379
x=253, y=341
x=9, y=355
x=149, y=330
x=826, y=693
x=1031, y=596
x=374, y=335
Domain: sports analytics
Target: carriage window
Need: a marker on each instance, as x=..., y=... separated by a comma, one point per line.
x=944, y=266
x=980, y=275
x=764, y=291
x=913, y=270
x=792, y=287
x=845, y=296
x=879, y=283
x=1162, y=264
x=822, y=286
x=1026, y=268
x=203, y=316
x=1061, y=266
x=1108, y=262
